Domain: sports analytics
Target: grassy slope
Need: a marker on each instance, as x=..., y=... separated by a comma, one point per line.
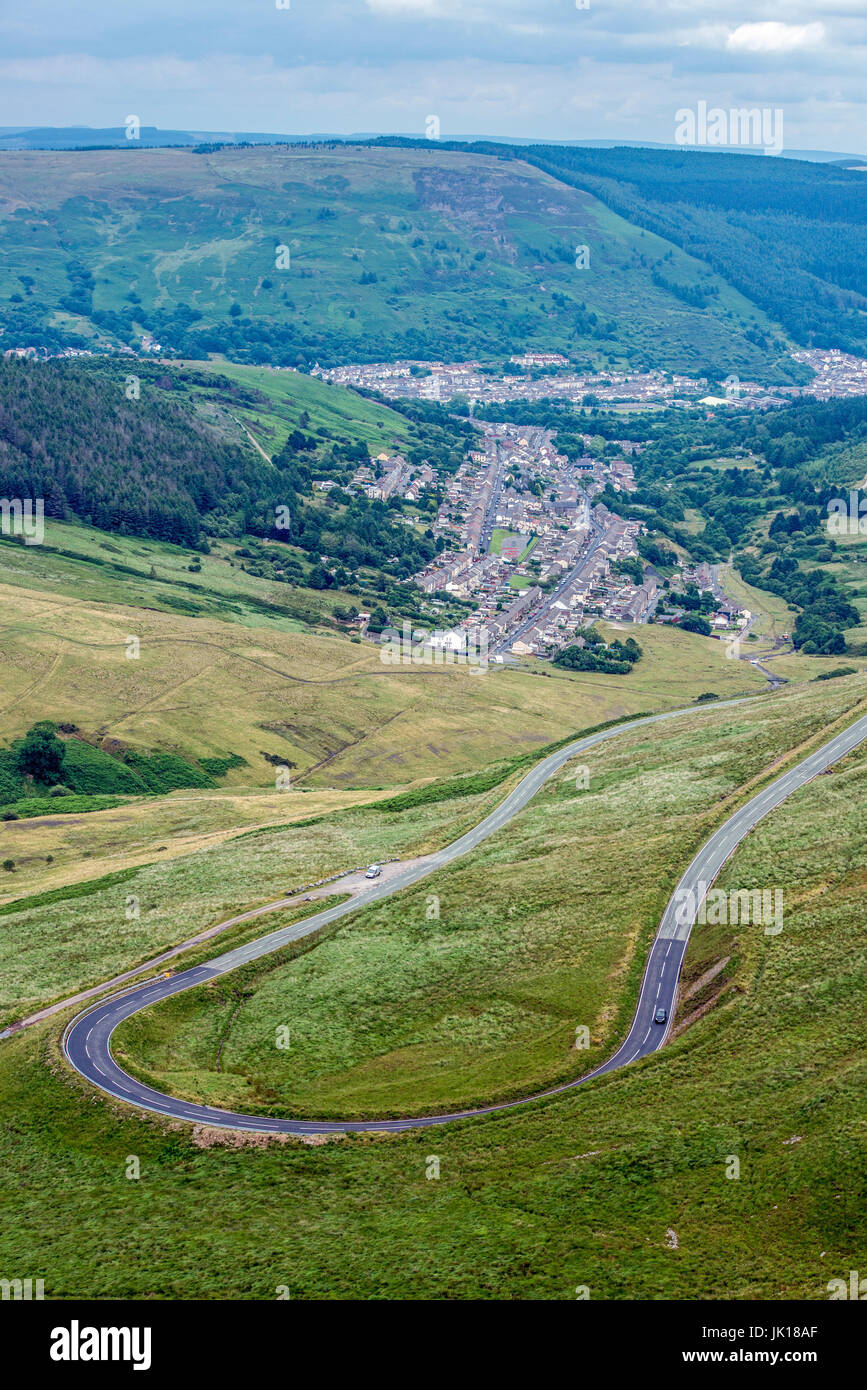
x=851, y=572
x=331, y=708
x=82, y=562
x=774, y=615
x=201, y=230
x=844, y=465
x=135, y=832
x=579, y=1190
x=293, y=394
x=50, y=950
x=395, y=1012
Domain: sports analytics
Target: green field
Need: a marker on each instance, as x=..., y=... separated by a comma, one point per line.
x=50, y=950
x=498, y=535
x=622, y=1186
x=82, y=562
x=774, y=617
x=293, y=400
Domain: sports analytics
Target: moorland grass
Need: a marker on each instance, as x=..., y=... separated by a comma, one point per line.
x=332, y=712
x=584, y=1189
x=469, y=987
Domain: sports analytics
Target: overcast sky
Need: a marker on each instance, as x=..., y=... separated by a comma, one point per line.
x=618, y=69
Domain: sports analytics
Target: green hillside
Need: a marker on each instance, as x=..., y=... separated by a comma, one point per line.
x=289, y=254
x=394, y=1012
x=621, y=1187
x=164, y=453
x=791, y=235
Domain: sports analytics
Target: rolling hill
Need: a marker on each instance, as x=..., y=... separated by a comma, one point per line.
x=292, y=254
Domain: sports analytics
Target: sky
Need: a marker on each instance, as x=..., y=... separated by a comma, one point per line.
x=539, y=69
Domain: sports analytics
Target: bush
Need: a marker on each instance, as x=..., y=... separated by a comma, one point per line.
x=9, y=865
x=218, y=767
x=29, y=807
x=838, y=671
x=91, y=771
x=694, y=623
x=165, y=772
x=616, y=658
x=59, y=790
x=11, y=782
x=41, y=755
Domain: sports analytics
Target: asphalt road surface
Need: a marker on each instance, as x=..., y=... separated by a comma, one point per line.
x=88, y=1037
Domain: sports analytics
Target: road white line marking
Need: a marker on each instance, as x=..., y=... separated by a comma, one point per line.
x=714, y=858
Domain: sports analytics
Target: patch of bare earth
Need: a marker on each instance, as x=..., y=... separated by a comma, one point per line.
x=210, y=1137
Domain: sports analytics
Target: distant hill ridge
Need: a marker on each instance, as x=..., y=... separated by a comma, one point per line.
x=289, y=255
x=84, y=137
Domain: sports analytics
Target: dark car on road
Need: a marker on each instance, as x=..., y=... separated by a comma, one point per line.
x=660, y=1016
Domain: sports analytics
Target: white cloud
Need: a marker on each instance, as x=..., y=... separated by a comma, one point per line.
x=508, y=67
x=771, y=36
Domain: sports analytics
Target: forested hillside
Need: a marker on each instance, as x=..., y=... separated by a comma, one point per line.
x=791, y=236
x=158, y=463
x=70, y=435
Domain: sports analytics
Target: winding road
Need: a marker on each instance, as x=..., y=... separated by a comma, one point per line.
x=87, y=1039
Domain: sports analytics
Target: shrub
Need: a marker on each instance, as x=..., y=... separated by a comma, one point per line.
x=218, y=767
x=41, y=755
x=838, y=671
x=91, y=771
